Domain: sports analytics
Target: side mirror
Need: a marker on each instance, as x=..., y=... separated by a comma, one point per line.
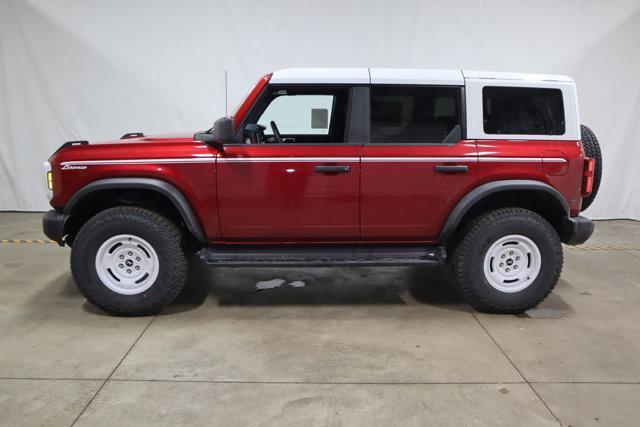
x=223, y=133
x=223, y=130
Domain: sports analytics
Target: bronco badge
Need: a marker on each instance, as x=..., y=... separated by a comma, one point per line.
x=68, y=166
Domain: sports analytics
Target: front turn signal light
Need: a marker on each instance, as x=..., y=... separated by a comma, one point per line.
x=49, y=175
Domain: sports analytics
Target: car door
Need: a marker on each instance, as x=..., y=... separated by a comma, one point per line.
x=417, y=164
x=301, y=185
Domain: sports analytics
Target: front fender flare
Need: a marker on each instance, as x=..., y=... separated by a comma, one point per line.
x=484, y=190
x=169, y=191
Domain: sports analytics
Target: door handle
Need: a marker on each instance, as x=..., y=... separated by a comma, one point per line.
x=451, y=168
x=332, y=169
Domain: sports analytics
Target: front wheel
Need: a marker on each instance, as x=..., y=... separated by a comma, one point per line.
x=129, y=261
x=507, y=261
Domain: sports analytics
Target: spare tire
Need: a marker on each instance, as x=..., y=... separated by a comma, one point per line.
x=591, y=149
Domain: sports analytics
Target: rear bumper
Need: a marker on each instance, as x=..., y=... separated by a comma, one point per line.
x=576, y=230
x=53, y=224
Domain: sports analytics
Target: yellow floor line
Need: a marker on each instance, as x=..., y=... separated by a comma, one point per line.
x=604, y=248
x=25, y=241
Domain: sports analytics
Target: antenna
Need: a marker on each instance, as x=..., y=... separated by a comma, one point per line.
x=225, y=93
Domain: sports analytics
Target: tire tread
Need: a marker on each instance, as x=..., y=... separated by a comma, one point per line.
x=165, y=227
x=592, y=149
x=467, y=246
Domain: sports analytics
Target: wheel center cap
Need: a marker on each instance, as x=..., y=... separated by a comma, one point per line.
x=509, y=262
x=129, y=263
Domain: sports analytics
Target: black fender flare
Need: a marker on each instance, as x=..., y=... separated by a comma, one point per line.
x=169, y=191
x=484, y=190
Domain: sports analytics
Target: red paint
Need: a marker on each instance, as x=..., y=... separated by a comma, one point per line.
x=552, y=167
x=248, y=102
x=197, y=181
x=408, y=200
x=280, y=202
x=288, y=200
x=567, y=183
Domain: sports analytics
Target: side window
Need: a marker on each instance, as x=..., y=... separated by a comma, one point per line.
x=518, y=111
x=299, y=114
x=304, y=114
x=413, y=115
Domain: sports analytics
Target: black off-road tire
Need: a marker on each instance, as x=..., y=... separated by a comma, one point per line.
x=591, y=149
x=162, y=234
x=478, y=237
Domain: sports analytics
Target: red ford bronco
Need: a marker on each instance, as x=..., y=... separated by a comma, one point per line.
x=352, y=166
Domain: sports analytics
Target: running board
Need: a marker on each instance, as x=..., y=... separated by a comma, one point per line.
x=305, y=256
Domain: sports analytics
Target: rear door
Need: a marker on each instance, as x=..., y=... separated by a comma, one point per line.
x=417, y=164
x=302, y=186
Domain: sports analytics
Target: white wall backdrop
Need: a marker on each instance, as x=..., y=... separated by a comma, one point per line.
x=72, y=69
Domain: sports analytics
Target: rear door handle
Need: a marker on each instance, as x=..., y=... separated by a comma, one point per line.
x=332, y=169
x=451, y=168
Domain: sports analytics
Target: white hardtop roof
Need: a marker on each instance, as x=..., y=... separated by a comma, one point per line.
x=400, y=76
x=529, y=77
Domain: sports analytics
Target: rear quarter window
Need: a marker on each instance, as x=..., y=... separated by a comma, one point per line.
x=522, y=111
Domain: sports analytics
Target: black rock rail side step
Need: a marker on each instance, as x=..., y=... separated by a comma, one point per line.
x=304, y=256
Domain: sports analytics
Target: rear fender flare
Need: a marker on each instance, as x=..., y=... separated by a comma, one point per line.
x=484, y=190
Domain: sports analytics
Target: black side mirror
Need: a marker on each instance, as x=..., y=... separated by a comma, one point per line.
x=223, y=133
x=223, y=130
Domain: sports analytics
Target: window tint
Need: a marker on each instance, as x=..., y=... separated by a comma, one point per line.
x=517, y=110
x=413, y=115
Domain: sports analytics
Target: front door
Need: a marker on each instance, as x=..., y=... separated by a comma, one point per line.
x=293, y=176
x=416, y=166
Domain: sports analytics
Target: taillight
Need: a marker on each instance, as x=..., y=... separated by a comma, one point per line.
x=588, y=176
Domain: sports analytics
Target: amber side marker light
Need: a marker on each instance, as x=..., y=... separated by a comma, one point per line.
x=50, y=180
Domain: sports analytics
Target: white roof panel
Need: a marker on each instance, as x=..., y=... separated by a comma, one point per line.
x=530, y=77
x=321, y=75
x=409, y=76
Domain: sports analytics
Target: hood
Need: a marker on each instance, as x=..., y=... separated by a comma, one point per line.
x=152, y=146
x=139, y=137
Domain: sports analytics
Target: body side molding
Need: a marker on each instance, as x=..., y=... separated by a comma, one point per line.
x=169, y=191
x=484, y=190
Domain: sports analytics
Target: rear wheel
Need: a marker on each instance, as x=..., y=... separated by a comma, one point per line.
x=129, y=261
x=507, y=261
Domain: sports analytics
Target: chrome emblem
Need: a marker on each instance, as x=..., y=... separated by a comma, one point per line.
x=68, y=167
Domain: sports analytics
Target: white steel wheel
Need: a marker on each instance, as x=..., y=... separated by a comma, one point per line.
x=127, y=264
x=512, y=263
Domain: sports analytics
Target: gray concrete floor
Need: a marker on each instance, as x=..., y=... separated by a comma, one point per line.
x=352, y=346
